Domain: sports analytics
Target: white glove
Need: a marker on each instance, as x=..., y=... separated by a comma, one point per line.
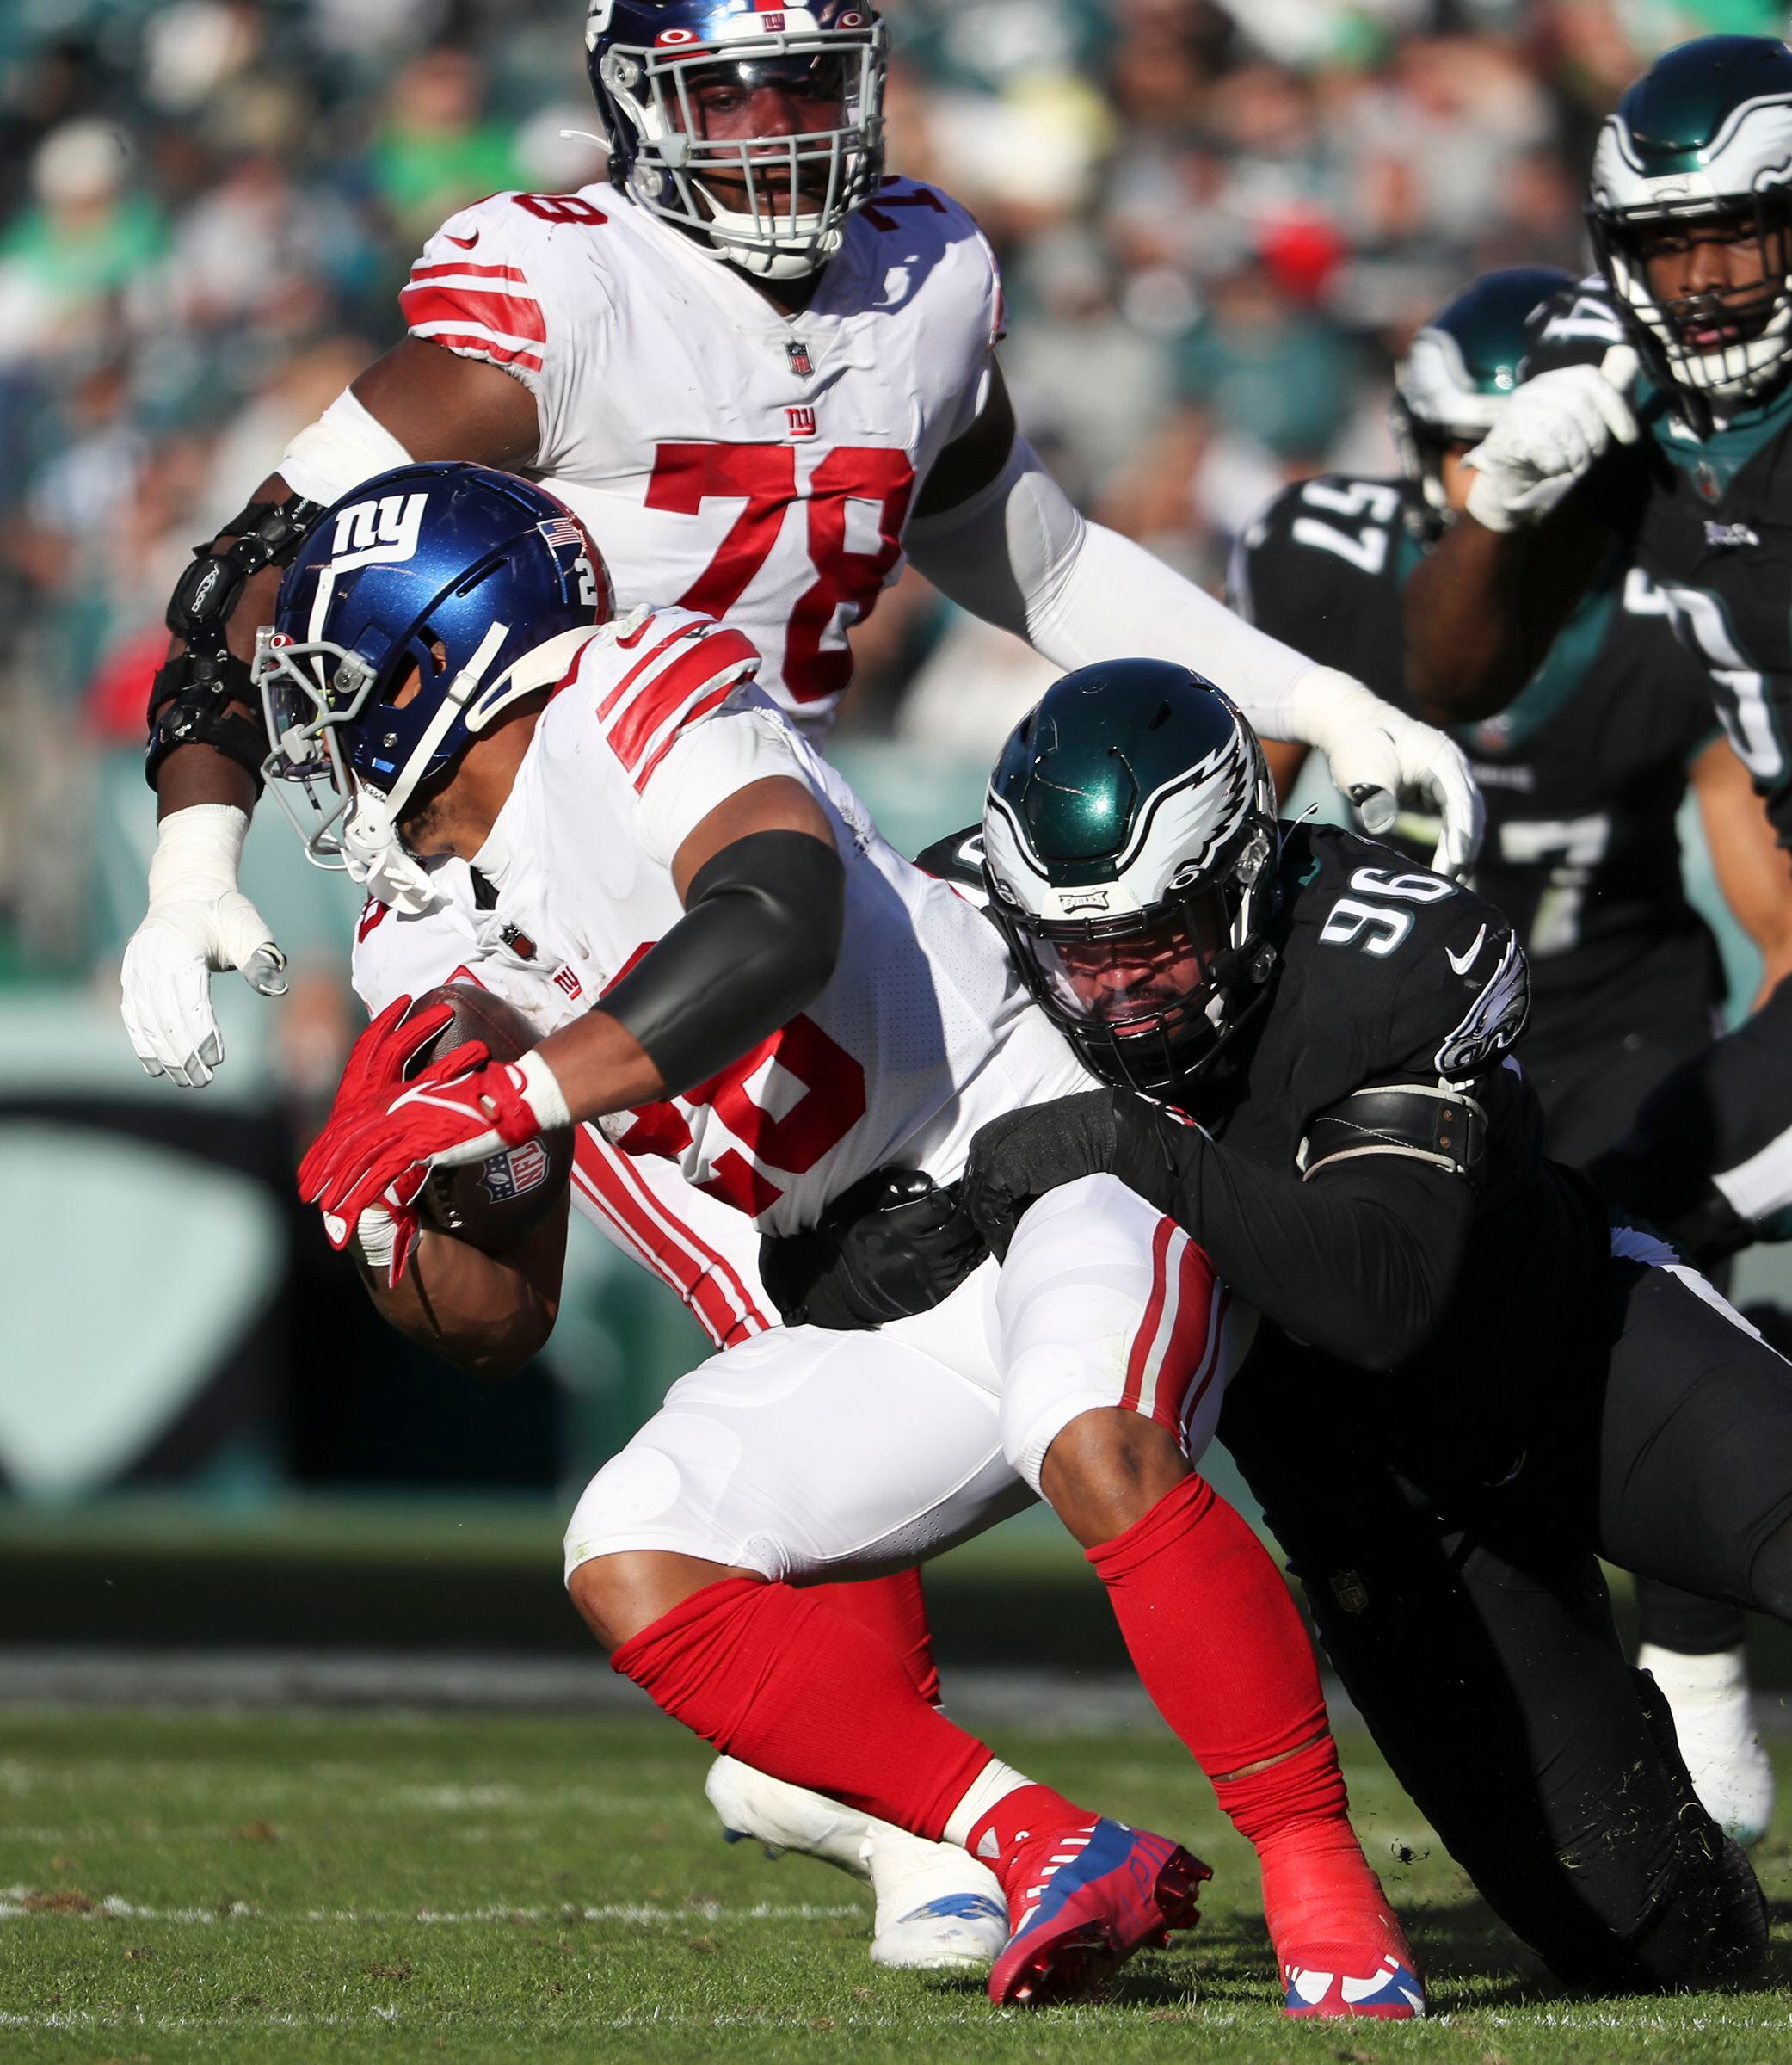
x=198, y=921
x=1547, y=437
x=1375, y=750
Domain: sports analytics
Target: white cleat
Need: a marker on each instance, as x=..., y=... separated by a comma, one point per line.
x=1714, y=1721
x=938, y=1908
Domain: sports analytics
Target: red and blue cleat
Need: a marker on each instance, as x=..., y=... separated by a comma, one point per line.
x=1087, y=1899
x=1389, y=1991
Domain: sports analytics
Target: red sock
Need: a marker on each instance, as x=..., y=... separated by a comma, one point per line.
x=1218, y=1644
x=1007, y=1834
x=896, y=1608
x=779, y=1679
x=1322, y=1904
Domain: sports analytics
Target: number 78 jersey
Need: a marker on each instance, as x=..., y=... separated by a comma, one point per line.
x=725, y=457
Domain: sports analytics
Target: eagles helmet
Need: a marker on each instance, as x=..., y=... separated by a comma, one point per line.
x=423, y=604
x=1459, y=368
x=1704, y=136
x=1129, y=843
x=649, y=59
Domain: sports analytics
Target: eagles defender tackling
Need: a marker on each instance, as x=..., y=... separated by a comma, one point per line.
x=1467, y=1380
x=1583, y=776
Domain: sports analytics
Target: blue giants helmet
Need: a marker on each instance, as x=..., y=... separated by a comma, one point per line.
x=427, y=601
x=791, y=195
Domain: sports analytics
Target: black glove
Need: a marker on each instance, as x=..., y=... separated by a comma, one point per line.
x=1016, y=1159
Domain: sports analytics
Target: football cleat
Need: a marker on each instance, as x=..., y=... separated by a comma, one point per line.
x=1714, y=1721
x=1391, y=1992
x=1091, y=1897
x=938, y=1909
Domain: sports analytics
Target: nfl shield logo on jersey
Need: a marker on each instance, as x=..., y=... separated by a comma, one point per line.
x=514, y=1172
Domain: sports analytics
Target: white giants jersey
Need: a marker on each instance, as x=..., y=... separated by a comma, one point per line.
x=725, y=457
x=922, y=1034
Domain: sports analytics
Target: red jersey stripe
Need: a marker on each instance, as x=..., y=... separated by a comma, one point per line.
x=470, y=272
x=647, y=659
x=1145, y=1338
x=509, y=314
x=712, y=1290
x=657, y=704
x=484, y=348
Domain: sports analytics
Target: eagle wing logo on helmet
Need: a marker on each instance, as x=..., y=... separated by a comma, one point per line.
x=1493, y=1021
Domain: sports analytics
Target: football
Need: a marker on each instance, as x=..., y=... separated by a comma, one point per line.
x=491, y=1205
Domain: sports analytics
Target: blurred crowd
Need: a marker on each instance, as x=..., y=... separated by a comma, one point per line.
x=1218, y=224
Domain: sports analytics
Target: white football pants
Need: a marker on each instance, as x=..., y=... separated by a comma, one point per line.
x=811, y=1455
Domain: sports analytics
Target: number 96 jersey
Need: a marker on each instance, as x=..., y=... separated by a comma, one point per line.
x=725, y=456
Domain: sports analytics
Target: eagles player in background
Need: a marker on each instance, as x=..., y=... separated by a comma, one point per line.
x=1468, y=1379
x=1583, y=776
x=761, y=372
x=1656, y=416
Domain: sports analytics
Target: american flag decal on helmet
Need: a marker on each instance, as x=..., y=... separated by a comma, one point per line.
x=561, y=530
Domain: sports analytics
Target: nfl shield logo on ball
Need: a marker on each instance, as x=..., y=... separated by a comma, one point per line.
x=518, y=1169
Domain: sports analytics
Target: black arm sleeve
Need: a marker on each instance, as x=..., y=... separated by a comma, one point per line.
x=1362, y=1262
x=759, y=939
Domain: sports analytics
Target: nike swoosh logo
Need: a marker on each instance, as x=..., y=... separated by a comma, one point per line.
x=466, y=243
x=1463, y=964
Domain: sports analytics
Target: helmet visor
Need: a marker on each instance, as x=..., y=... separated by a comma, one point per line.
x=1134, y=974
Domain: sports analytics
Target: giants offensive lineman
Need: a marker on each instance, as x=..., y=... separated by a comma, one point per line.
x=761, y=372
x=646, y=835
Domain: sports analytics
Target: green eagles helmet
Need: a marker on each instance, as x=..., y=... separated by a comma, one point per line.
x=1129, y=843
x=1459, y=368
x=1705, y=135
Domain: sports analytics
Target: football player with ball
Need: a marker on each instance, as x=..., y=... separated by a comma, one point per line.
x=602, y=819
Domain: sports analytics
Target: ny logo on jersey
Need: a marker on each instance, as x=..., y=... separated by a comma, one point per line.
x=387, y=529
x=801, y=421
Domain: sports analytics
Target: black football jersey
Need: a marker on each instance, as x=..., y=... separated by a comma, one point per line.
x=1710, y=521
x=1385, y=973
x=1582, y=776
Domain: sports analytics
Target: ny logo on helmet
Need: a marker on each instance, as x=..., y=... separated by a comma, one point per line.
x=368, y=532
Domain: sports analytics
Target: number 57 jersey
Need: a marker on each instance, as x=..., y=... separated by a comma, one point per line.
x=741, y=462
x=921, y=1033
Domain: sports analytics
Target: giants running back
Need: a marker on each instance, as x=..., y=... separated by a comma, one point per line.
x=922, y=1034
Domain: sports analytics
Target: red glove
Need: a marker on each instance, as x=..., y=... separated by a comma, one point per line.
x=372, y=1076
x=463, y=1108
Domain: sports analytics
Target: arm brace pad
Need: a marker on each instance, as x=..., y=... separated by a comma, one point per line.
x=759, y=939
x=1422, y=1122
x=346, y=445
x=192, y=696
x=1019, y=555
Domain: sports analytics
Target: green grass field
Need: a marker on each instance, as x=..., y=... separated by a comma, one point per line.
x=298, y=1886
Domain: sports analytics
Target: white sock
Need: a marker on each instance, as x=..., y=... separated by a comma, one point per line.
x=1718, y=1671
x=995, y=1781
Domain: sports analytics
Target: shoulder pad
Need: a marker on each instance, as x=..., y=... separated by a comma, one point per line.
x=654, y=676
x=1576, y=326
x=481, y=288
x=1436, y=967
x=958, y=859
x=925, y=227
